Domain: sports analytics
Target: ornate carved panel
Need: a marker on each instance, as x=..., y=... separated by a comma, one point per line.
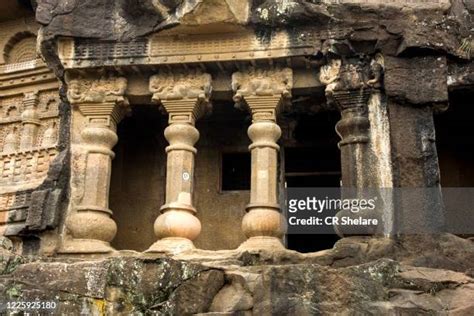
x=20, y=34
x=29, y=123
x=237, y=46
x=13, y=211
x=21, y=49
x=25, y=165
x=184, y=95
x=192, y=48
x=90, y=49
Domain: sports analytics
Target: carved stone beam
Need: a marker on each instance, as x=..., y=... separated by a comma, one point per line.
x=263, y=92
x=102, y=104
x=185, y=97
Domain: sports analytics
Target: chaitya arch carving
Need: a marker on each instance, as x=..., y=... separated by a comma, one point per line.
x=20, y=48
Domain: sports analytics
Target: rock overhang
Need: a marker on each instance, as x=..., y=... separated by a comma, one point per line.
x=396, y=26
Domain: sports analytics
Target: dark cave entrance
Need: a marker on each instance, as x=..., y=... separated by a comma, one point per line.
x=138, y=177
x=455, y=147
x=313, y=160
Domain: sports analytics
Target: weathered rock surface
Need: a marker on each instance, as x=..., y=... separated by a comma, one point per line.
x=397, y=28
x=426, y=277
x=404, y=79
x=116, y=285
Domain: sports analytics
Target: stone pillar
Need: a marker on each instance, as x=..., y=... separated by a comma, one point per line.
x=30, y=121
x=350, y=85
x=263, y=93
x=100, y=103
x=353, y=128
x=185, y=97
x=416, y=87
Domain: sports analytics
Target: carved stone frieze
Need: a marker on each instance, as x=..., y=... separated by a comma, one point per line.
x=96, y=50
x=166, y=48
x=181, y=85
x=262, y=82
x=184, y=95
x=28, y=138
x=350, y=84
x=102, y=100
x=29, y=124
x=263, y=91
x=96, y=90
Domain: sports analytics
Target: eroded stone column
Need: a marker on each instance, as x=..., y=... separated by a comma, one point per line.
x=98, y=106
x=185, y=97
x=350, y=84
x=263, y=93
x=416, y=88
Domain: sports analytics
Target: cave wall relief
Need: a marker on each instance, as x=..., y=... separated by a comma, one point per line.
x=29, y=122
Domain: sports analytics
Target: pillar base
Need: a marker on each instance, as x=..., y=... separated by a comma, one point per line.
x=262, y=243
x=85, y=246
x=172, y=245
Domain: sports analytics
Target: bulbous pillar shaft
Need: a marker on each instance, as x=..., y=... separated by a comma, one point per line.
x=178, y=226
x=185, y=97
x=353, y=128
x=92, y=224
x=263, y=223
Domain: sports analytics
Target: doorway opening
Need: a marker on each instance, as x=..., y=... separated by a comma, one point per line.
x=455, y=147
x=313, y=160
x=138, y=177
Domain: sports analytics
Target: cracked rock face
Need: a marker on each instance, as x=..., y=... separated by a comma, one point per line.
x=424, y=276
x=171, y=287
x=394, y=29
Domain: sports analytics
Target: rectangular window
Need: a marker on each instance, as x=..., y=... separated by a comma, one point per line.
x=235, y=171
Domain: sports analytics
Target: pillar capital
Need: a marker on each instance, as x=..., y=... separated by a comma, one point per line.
x=183, y=95
x=30, y=99
x=262, y=91
x=349, y=84
x=102, y=100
